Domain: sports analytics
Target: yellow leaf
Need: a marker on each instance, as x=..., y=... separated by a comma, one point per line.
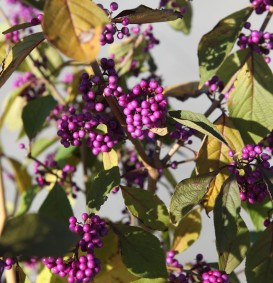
x=74, y=27
x=110, y=159
x=214, y=154
x=187, y=231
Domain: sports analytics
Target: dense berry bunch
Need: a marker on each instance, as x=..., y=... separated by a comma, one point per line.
x=132, y=169
x=177, y=276
x=34, y=89
x=6, y=263
x=214, y=276
x=249, y=173
x=64, y=175
x=85, y=267
x=74, y=128
x=144, y=108
x=260, y=6
x=258, y=41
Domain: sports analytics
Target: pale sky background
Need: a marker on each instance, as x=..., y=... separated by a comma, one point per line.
x=177, y=59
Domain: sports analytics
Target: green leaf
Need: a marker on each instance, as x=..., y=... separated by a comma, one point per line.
x=17, y=27
x=147, y=207
x=143, y=15
x=45, y=275
x=63, y=153
x=258, y=212
x=42, y=144
x=184, y=24
x=36, y=235
x=57, y=205
x=101, y=129
x=169, y=176
x=187, y=231
x=251, y=102
x=38, y=4
x=18, y=53
x=74, y=27
x=110, y=159
x=141, y=252
x=22, y=178
x=232, y=235
x=189, y=193
x=26, y=199
x=198, y=122
x=259, y=260
x=232, y=64
x=216, y=45
x=35, y=113
x=156, y=280
x=100, y=186
x=268, y=178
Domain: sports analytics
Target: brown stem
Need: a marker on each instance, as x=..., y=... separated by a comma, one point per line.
x=172, y=151
x=3, y=211
x=266, y=21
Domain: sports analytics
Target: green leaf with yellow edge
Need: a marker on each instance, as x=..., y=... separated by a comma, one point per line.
x=216, y=45
x=198, y=122
x=183, y=24
x=251, y=102
x=232, y=235
x=215, y=155
x=74, y=27
x=13, y=107
x=182, y=91
x=18, y=53
x=138, y=247
x=147, y=207
x=187, y=231
x=259, y=260
x=188, y=193
x=20, y=275
x=22, y=178
x=143, y=15
x=109, y=159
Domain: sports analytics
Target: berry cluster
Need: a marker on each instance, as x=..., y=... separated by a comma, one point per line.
x=214, y=85
x=199, y=271
x=85, y=267
x=6, y=263
x=34, y=89
x=111, y=29
x=144, y=108
x=261, y=6
x=258, y=41
x=64, y=175
x=249, y=173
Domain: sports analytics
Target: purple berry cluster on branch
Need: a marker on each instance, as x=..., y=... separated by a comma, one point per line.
x=144, y=108
x=249, y=173
x=83, y=268
x=260, y=6
x=260, y=42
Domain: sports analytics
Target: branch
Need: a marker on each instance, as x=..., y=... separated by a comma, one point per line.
x=3, y=211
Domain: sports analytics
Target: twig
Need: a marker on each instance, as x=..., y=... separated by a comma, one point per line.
x=3, y=211
x=50, y=85
x=172, y=151
x=266, y=21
